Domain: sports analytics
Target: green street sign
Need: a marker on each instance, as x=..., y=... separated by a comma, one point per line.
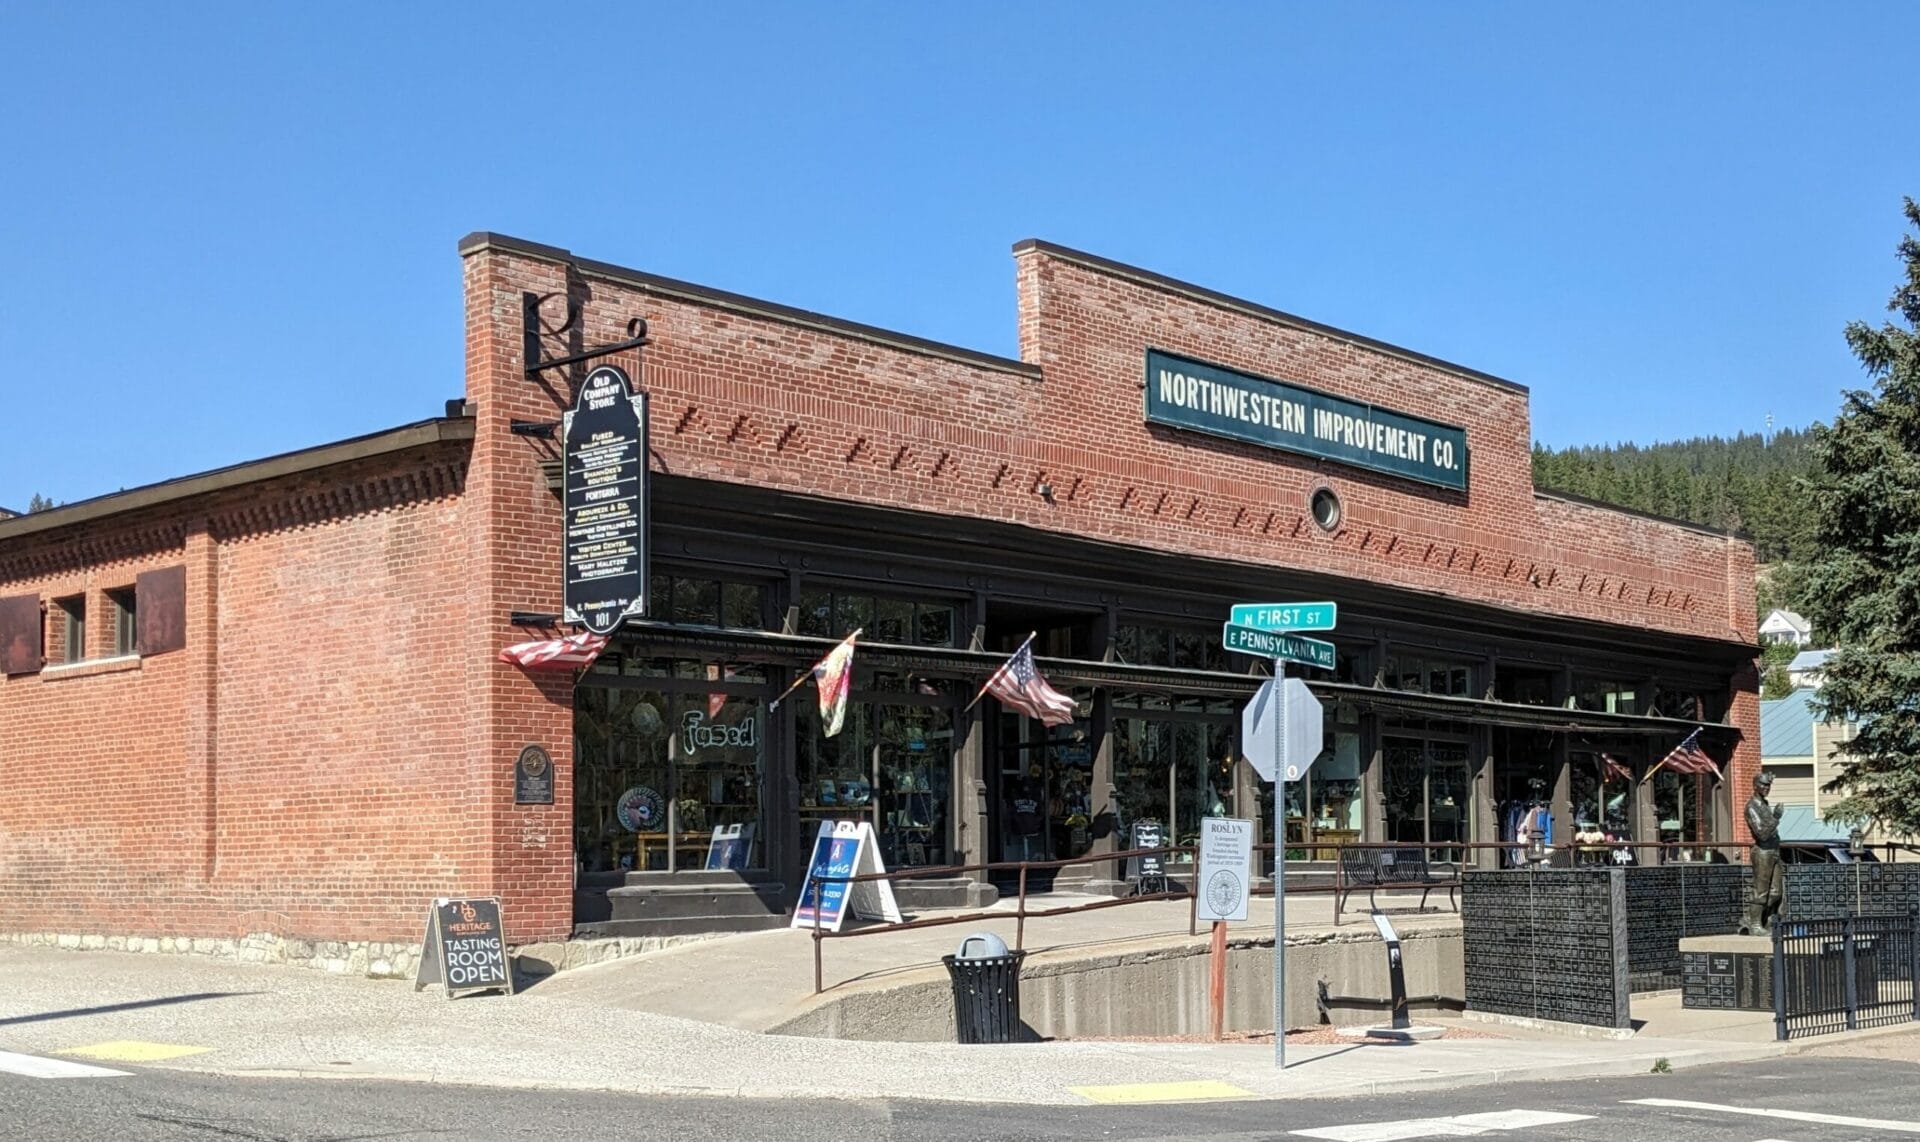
x=1273, y=644
x=1285, y=616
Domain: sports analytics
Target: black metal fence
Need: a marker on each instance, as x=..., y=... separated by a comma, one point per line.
x=1842, y=974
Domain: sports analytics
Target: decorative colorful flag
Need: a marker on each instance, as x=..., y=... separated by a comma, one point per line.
x=1687, y=757
x=1614, y=769
x=574, y=650
x=1020, y=685
x=833, y=675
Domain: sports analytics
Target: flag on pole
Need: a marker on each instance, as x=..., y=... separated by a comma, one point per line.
x=834, y=677
x=1687, y=757
x=1613, y=769
x=1019, y=684
x=574, y=650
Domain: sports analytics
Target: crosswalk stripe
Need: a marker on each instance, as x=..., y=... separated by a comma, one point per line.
x=1454, y=1126
x=1892, y=1125
x=35, y=1067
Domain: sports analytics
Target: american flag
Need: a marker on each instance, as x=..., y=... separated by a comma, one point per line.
x=1688, y=757
x=575, y=650
x=1613, y=769
x=1019, y=685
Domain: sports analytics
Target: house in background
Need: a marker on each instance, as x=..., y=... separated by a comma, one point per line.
x=1808, y=669
x=1797, y=746
x=1783, y=627
x=7, y=513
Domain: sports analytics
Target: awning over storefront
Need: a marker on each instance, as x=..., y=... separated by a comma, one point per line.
x=802, y=651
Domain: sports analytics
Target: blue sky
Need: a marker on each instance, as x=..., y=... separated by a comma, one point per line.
x=229, y=231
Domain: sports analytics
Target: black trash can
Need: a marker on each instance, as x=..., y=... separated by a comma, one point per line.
x=986, y=990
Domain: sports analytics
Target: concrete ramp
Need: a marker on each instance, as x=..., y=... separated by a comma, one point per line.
x=1130, y=971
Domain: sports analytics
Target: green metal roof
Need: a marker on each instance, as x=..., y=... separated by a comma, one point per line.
x=1786, y=726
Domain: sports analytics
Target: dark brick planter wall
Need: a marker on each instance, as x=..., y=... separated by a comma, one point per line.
x=1667, y=903
x=1830, y=891
x=1547, y=945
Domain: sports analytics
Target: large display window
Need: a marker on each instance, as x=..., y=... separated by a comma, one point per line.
x=656, y=770
x=891, y=764
x=1173, y=763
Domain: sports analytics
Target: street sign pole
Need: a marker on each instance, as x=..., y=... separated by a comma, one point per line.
x=1279, y=866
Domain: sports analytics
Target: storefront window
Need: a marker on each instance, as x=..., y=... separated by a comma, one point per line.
x=890, y=764
x=1604, y=694
x=1174, y=772
x=1602, y=793
x=1682, y=807
x=830, y=612
x=1141, y=644
x=656, y=772
x=694, y=600
x=1522, y=686
x=1046, y=788
x=1410, y=669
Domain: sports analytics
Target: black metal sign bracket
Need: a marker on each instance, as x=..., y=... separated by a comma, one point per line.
x=537, y=362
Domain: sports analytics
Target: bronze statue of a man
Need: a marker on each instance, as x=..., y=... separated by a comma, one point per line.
x=1768, y=889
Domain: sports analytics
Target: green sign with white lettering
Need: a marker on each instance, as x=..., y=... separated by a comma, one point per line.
x=1214, y=399
x=1285, y=616
x=1273, y=644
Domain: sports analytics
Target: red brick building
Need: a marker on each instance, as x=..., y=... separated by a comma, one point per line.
x=267, y=698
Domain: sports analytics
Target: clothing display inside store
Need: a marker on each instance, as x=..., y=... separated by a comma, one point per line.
x=1520, y=820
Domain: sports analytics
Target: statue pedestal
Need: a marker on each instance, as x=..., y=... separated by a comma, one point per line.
x=1733, y=973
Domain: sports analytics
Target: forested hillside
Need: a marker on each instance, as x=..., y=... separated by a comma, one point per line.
x=1746, y=483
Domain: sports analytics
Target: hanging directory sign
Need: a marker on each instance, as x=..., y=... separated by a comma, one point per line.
x=605, y=551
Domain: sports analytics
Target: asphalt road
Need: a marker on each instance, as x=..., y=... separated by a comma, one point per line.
x=151, y=1103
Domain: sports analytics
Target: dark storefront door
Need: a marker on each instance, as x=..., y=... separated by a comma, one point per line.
x=1427, y=786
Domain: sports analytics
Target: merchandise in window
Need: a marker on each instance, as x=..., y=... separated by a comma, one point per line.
x=656, y=772
x=891, y=764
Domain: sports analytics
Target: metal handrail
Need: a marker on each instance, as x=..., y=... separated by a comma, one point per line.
x=1339, y=887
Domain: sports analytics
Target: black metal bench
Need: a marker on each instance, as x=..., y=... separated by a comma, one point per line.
x=1377, y=868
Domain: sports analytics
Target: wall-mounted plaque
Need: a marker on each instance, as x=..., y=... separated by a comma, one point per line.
x=533, y=777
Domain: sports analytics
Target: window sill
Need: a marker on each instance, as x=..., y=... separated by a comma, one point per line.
x=88, y=667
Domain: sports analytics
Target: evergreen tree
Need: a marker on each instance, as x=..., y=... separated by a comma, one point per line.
x=39, y=503
x=1863, y=588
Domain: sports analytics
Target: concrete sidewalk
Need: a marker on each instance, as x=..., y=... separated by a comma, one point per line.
x=267, y=1020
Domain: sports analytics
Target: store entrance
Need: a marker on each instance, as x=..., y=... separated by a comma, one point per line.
x=1040, y=777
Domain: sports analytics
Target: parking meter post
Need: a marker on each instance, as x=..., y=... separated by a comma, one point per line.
x=1279, y=865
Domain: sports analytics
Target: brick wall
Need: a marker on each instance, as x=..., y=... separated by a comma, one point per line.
x=300, y=767
x=755, y=397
